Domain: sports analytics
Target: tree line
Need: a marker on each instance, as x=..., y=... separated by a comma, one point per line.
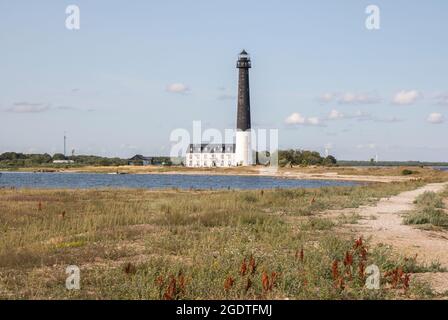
x=296, y=157
x=14, y=159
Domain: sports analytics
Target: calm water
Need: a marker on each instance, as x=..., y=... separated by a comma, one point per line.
x=441, y=168
x=156, y=181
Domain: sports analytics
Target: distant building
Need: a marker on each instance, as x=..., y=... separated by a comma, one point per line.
x=210, y=155
x=63, y=161
x=139, y=160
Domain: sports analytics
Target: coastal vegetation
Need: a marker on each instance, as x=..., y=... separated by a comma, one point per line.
x=430, y=211
x=197, y=244
x=14, y=160
x=296, y=157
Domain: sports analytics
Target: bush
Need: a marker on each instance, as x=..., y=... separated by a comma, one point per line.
x=429, y=211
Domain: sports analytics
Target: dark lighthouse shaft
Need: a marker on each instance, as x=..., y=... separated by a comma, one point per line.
x=243, y=146
x=243, y=117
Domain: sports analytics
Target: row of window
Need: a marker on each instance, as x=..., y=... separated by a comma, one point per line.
x=209, y=164
x=212, y=156
x=207, y=149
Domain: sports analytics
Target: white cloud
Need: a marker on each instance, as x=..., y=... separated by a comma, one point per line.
x=314, y=121
x=358, y=98
x=435, y=118
x=31, y=107
x=350, y=98
x=27, y=107
x=298, y=119
x=406, y=97
x=327, y=97
x=335, y=114
x=178, y=88
x=295, y=118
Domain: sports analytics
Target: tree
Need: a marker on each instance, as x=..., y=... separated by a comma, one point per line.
x=330, y=160
x=58, y=156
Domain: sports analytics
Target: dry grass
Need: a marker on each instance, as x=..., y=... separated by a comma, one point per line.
x=430, y=211
x=140, y=244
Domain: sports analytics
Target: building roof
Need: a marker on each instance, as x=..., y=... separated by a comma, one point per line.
x=211, y=148
x=140, y=157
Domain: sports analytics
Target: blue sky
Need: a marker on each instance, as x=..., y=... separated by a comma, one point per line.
x=136, y=70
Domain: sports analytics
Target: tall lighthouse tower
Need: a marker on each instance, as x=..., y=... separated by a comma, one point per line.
x=243, y=149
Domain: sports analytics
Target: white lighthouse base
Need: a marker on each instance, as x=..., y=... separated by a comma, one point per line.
x=243, y=149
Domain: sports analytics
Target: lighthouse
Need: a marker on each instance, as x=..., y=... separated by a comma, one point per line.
x=243, y=149
x=228, y=155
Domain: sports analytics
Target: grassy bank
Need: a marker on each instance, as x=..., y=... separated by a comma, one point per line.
x=431, y=211
x=173, y=244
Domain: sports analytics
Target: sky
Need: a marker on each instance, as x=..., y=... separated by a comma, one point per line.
x=137, y=70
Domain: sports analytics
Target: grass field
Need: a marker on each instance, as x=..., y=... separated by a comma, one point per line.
x=172, y=244
x=430, y=212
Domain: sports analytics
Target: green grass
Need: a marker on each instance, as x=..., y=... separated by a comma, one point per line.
x=429, y=211
x=202, y=236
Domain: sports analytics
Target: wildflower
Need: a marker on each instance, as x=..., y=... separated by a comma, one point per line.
x=335, y=270
x=228, y=283
x=265, y=281
x=358, y=243
x=273, y=279
x=159, y=281
x=171, y=291
x=181, y=281
x=406, y=281
x=363, y=254
x=243, y=268
x=252, y=265
x=348, y=260
x=361, y=270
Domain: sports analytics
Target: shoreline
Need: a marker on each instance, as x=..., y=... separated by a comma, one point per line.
x=328, y=174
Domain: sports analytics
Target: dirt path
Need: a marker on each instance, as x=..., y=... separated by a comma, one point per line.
x=383, y=223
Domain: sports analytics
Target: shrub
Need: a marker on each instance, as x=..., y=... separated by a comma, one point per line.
x=407, y=172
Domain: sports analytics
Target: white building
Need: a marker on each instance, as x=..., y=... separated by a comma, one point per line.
x=210, y=155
